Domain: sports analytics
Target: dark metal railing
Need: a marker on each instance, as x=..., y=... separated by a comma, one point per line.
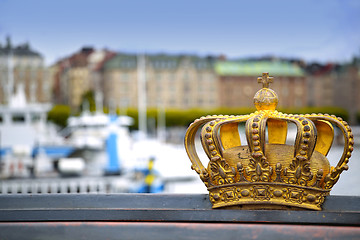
x=160, y=216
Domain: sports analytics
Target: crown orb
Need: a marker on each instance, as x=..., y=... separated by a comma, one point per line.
x=265, y=99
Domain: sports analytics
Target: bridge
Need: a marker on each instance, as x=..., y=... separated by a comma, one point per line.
x=167, y=216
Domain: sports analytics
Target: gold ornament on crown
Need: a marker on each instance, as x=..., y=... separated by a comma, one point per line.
x=266, y=173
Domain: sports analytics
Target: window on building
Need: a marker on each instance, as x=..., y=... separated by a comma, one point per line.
x=124, y=88
x=186, y=75
x=128, y=64
x=298, y=102
x=159, y=87
x=33, y=74
x=124, y=102
x=35, y=118
x=201, y=64
x=125, y=77
x=172, y=77
x=171, y=64
x=157, y=64
x=46, y=87
x=299, y=91
x=18, y=118
x=285, y=91
x=172, y=101
x=248, y=91
x=21, y=75
x=208, y=77
x=186, y=87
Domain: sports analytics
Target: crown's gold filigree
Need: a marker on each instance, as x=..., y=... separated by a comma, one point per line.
x=266, y=172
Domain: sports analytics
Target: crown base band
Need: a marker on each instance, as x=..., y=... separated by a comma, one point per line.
x=266, y=196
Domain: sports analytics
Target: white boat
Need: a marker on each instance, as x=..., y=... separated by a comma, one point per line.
x=102, y=140
x=25, y=135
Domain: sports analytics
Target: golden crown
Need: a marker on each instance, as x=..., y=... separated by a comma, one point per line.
x=267, y=173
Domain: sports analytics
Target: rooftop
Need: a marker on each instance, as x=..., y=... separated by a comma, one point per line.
x=159, y=61
x=252, y=68
x=20, y=50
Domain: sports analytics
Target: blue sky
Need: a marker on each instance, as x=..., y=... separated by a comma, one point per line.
x=312, y=30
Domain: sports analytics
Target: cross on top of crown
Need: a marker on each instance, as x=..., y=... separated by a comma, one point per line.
x=265, y=80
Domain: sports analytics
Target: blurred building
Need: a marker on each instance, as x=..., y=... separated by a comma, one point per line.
x=78, y=74
x=72, y=78
x=335, y=85
x=237, y=82
x=96, y=61
x=172, y=81
x=21, y=65
x=347, y=89
x=188, y=81
x=321, y=84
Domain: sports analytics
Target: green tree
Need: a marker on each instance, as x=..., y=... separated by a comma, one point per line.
x=88, y=100
x=59, y=115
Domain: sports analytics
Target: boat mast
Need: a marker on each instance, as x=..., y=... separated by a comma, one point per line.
x=10, y=73
x=99, y=101
x=141, y=77
x=161, y=124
